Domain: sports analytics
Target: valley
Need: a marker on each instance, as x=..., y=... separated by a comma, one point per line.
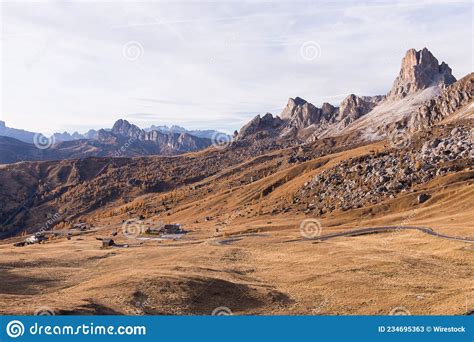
x=361, y=209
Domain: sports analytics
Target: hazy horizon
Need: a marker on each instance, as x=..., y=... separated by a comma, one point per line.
x=206, y=65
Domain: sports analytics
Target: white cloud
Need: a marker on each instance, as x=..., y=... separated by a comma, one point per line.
x=209, y=64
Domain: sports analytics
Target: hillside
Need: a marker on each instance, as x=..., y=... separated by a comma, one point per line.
x=287, y=218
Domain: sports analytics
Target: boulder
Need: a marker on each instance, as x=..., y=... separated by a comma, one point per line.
x=422, y=198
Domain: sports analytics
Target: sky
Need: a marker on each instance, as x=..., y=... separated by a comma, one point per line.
x=209, y=65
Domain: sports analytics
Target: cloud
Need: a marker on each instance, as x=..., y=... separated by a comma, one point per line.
x=209, y=64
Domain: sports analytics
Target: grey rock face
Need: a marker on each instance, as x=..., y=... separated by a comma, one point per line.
x=170, y=142
x=420, y=70
x=451, y=99
x=267, y=123
x=299, y=113
x=353, y=107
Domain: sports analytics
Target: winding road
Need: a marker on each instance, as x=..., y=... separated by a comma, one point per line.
x=375, y=230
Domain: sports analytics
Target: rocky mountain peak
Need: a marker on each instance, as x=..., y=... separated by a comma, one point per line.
x=125, y=128
x=420, y=70
x=353, y=107
x=291, y=107
x=328, y=109
x=265, y=123
x=299, y=101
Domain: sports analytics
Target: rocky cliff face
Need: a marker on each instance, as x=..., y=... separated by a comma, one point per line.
x=299, y=113
x=162, y=143
x=126, y=129
x=266, y=125
x=420, y=70
x=304, y=120
x=353, y=107
x=451, y=100
x=421, y=79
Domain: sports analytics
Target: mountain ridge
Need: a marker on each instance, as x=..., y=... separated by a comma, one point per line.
x=421, y=78
x=420, y=81
x=28, y=136
x=123, y=140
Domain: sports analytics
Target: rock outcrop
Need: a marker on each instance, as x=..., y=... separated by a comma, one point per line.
x=303, y=120
x=162, y=143
x=420, y=70
x=451, y=100
x=299, y=113
x=265, y=125
x=353, y=107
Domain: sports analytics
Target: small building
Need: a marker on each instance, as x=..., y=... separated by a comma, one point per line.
x=107, y=243
x=172, y=229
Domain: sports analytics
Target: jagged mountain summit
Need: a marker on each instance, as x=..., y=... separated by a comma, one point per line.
x=420, y=70
x=156, y=141
x=421, y=79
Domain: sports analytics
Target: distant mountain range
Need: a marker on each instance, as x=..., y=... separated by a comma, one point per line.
x=208, y=134
x=28, y=137
x=123, y=140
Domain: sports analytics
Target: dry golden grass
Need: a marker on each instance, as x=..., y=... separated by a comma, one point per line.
x=258, y=263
